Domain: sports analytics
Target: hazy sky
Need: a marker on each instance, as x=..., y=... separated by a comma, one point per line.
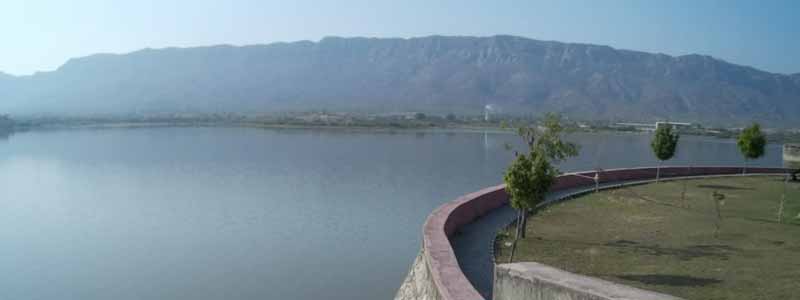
x=39, y=35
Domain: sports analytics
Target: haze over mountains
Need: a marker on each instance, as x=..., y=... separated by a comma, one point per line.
x=431, y=74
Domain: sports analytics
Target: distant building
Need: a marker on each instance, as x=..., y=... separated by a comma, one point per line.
x=653, y=126
x=791, y=152
x=675, y=125
x=487, y=110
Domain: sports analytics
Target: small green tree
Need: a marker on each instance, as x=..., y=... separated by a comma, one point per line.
x=664, y=144
x=530, y=176
x=751, y=144
x=518, y=179
x=543, y=176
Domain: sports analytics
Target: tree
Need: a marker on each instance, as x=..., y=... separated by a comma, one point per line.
x=664, y=144
x=751, y=144
x=450, y=117
x=420, y=116
x=518, y=179
x=530, y=175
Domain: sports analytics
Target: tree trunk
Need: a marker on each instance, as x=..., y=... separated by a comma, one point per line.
x=718, y=222
x=744, y=170
x=524, y=223
x=516, y=237
x=518, y=233
x=683, y=194
x=658, y=171
x=686, y=182
x=783, y=200
x=513, y=248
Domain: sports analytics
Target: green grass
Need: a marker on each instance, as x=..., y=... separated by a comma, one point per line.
x=646, y=236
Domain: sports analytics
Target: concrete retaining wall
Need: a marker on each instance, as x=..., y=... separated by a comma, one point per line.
x=436, y=273
x=418, y=283
x=533, y=281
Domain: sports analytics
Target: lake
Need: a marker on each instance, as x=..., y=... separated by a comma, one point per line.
x=238, y=213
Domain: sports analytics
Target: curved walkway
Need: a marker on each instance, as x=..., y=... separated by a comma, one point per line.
x=473, y=243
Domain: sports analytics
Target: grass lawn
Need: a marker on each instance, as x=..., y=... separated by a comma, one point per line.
x=646, y=236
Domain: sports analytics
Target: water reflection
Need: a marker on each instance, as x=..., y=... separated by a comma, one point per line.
x=5, y=134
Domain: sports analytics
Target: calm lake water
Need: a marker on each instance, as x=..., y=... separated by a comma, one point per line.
x=232, y=213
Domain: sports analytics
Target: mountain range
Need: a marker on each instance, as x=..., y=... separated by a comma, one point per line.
x=430, y=74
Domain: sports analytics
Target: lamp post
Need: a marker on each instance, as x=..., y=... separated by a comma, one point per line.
x=596, y=179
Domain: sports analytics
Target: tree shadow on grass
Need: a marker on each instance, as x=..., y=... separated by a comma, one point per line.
x=671, y=280
x=723, y=187
x=721, y=252
x=766, y=220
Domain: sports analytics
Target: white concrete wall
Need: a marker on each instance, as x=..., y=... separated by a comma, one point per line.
x=534, y=281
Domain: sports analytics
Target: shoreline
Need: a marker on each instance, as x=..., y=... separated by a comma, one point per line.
x=135, y=125
x=333, y=127
x=378, y=128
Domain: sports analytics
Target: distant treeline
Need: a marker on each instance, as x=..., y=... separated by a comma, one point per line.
x=405, y=120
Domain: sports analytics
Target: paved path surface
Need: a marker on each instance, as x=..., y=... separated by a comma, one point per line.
x=473, y=243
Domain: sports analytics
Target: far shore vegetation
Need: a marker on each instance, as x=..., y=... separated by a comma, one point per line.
x=382, y=121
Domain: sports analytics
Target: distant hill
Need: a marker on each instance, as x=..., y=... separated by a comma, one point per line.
x=432, y=74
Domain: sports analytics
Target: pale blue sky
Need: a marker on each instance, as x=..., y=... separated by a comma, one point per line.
x=40, y=35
